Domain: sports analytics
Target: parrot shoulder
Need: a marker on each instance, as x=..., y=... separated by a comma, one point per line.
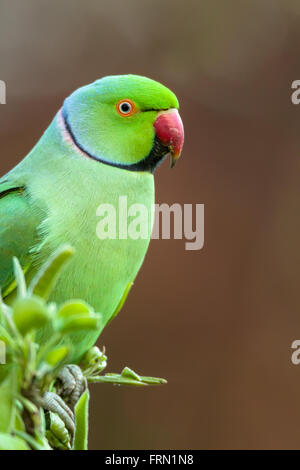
x=20, y=218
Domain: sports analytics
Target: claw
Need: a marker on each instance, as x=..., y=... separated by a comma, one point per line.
x=52, y=402
x=72, y=384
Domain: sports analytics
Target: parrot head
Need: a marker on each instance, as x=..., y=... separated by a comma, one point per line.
x=127, y=121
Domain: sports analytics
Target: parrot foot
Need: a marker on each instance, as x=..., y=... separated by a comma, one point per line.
x=71, y=384
x=52, y=402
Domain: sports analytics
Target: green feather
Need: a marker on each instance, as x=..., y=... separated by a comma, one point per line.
x=18, y=230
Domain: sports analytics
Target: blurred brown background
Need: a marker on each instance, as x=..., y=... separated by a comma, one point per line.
x=217, y=323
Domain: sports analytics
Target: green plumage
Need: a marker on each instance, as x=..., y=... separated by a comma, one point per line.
x=52, y=196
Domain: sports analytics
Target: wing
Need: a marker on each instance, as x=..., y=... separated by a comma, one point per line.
x=18, y=230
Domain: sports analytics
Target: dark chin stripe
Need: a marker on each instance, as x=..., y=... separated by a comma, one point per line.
x=149, y=163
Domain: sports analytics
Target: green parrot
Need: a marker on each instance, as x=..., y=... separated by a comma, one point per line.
x=105, y=142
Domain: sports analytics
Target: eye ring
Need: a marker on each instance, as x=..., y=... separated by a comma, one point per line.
x=125, y=108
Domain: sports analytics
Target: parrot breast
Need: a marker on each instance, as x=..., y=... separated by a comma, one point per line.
x=72, y=188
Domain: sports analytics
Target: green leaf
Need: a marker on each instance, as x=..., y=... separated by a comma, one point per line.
x=7, y=404
x=130, y=374
x=115, y=379
x=93, y=362
x=57, y=434
x=4, y=371
x=74, y=307
x=79, y=322
x=127, y=377
x=81, y=422
x=93, y=356
x=8, y=442
x=30, y=313
x=44, y=281
x=6, y=337
x=57, y=355
x=19, y=424
x=153, y=380
x=32, y=442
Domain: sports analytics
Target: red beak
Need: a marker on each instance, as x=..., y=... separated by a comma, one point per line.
x=169, y=130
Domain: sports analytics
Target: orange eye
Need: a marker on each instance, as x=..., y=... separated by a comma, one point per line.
x=126, y=107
